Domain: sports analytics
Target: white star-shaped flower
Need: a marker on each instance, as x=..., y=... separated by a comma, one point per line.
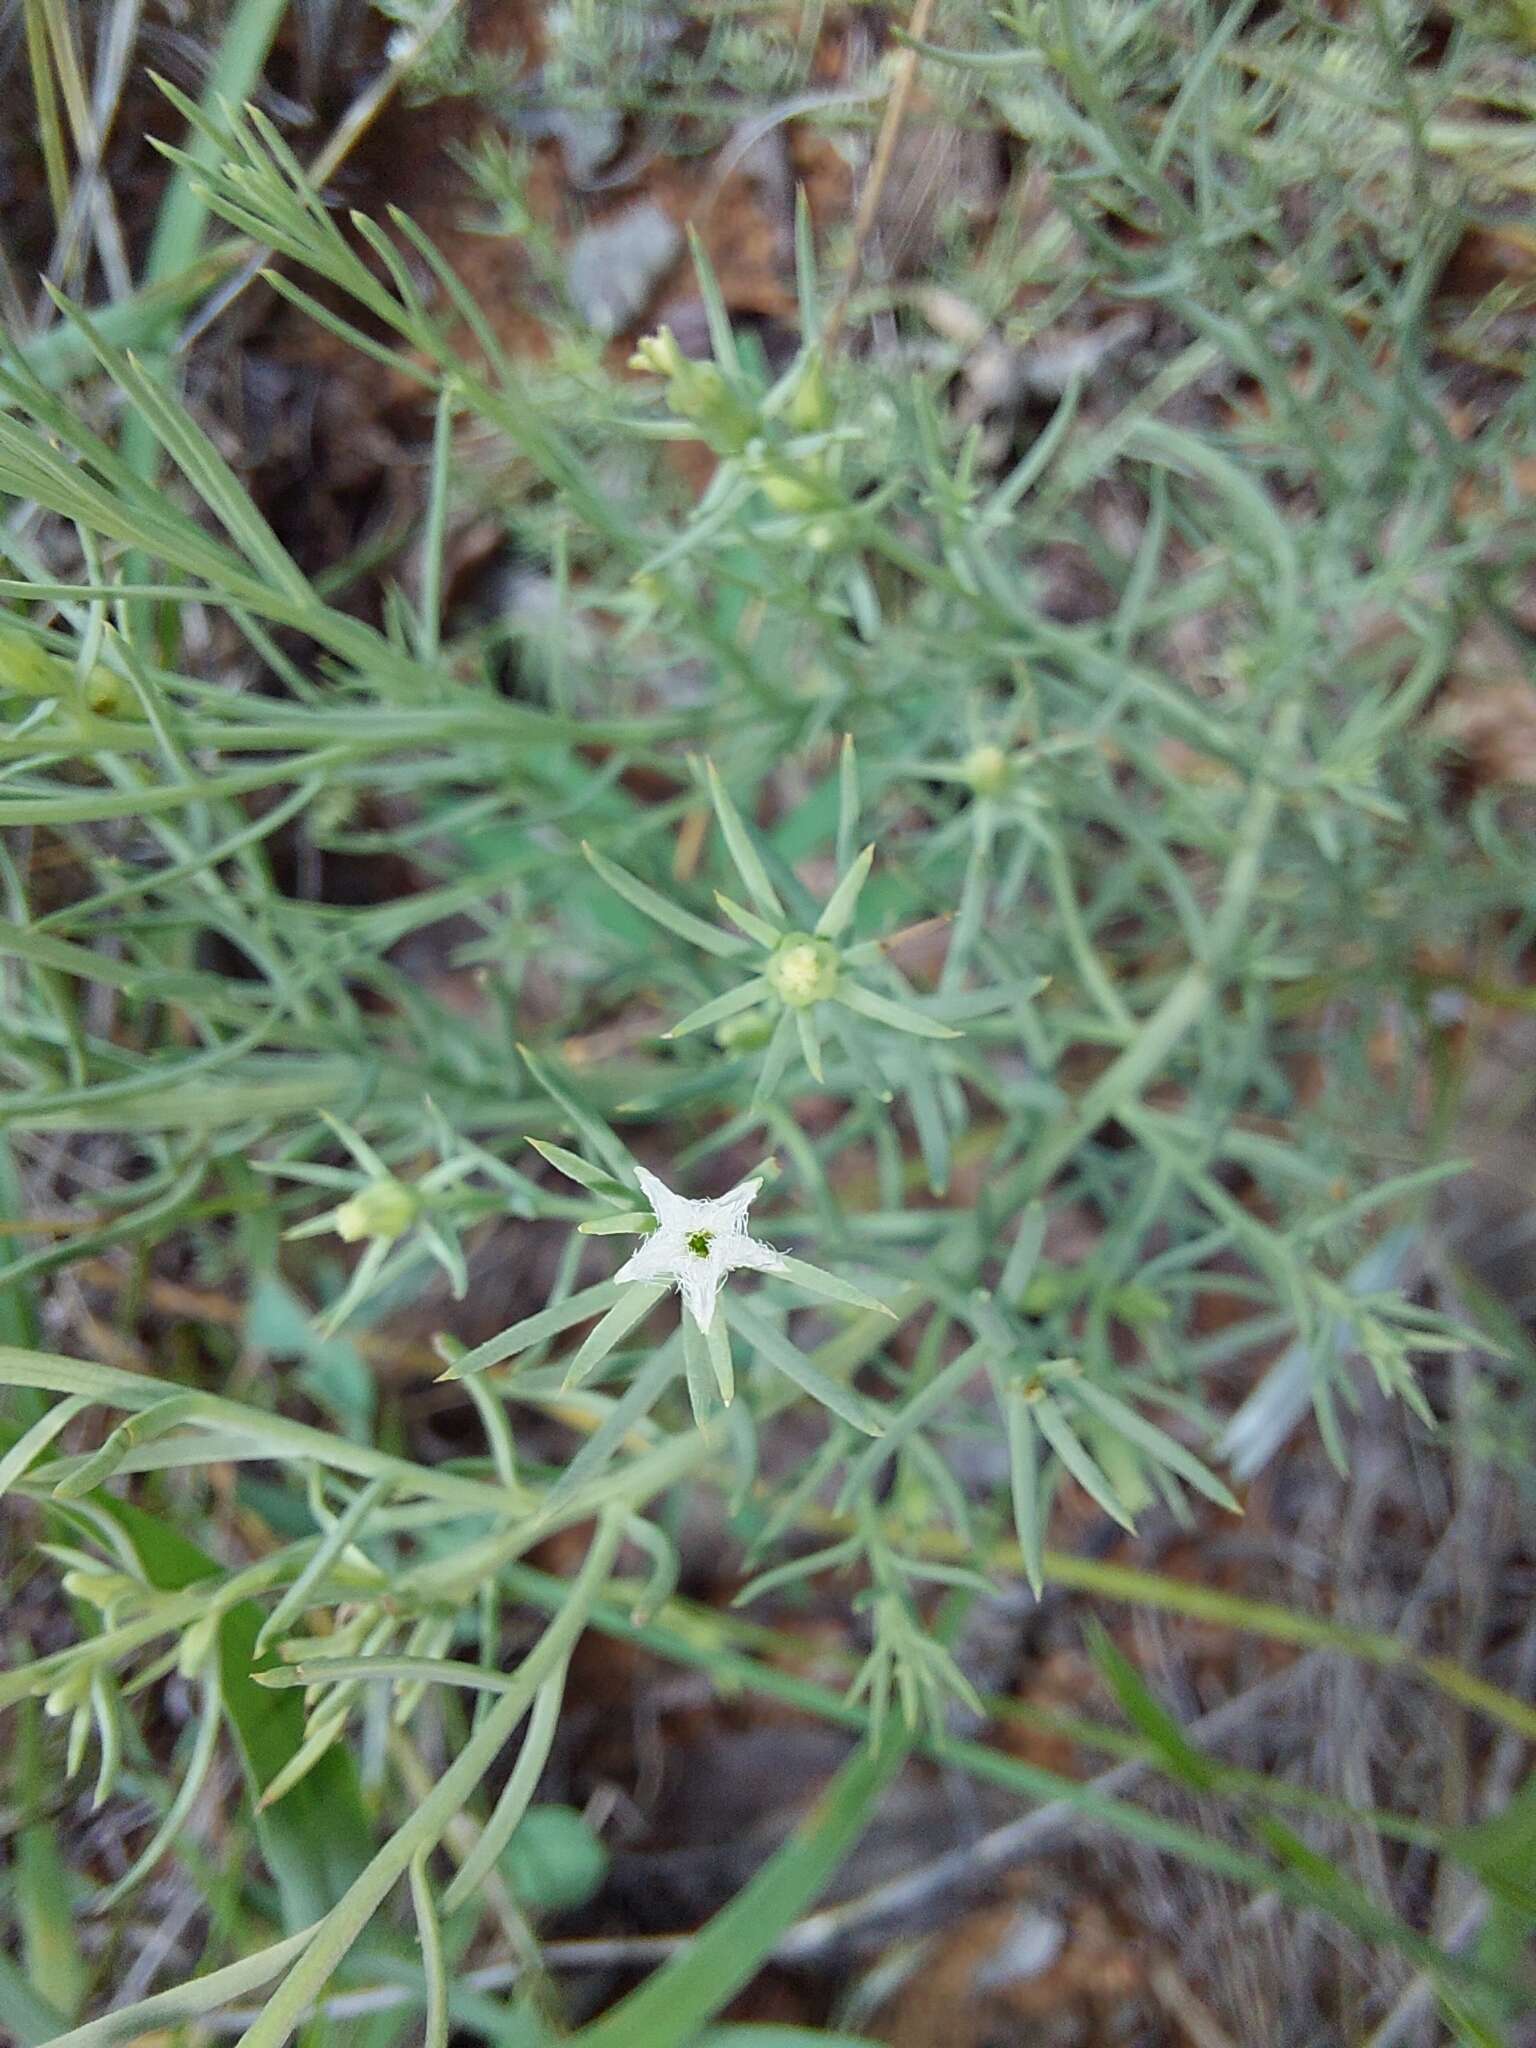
x=695, y=1244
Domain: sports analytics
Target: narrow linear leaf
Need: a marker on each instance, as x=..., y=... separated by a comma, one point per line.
x=331, y=1545
x=30, y=1445
x=548, y=1322
x=429, y=1936
x=585, y=1119
x=719, y=1008
x=575, y=1168
x=517, y=1792
x=838, y=910
x=782, y=1354
x=755, y=927
x=831, y=1286
x=1058, y=1433
x=881, y=1010
x=1154, y=1441
x=651, y=903
x=744, y=855
x=634, y=1304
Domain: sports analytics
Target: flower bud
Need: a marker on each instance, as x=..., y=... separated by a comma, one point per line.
x=748, y=1031
x=658, y=352
x=809, y=409
x=198, y=1644
x=105, y=692
x=28, y=670
x=698, y=392
x=102, y=1589
x=71, y=1692
x=989, y=770
x=382, y=1209
x=803, y=970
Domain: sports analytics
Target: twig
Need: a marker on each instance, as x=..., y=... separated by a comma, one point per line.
x=902, y=82
x=955, y=1876
x=349, y=131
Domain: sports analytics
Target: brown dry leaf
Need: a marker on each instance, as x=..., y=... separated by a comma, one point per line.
x=1059, y=1680
x=1066, y=1977
x=1494, y=724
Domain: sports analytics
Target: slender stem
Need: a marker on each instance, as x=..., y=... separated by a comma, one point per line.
x=1128, y=1074
x=902, y=82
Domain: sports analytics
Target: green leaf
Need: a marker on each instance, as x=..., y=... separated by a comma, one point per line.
x=793, y=1363
x=172, y=2009
x=720, y=1007
x=24, y=1453
x=725, y=945
x=1155, y=1442
x=336, y=1934
x=831, y=1286
x=718, y=1339
x=634, y=1304
x=810, y=1044
x=757, y=928
x=1058, y=1433
x=1147, y=1714
x=429, y=1936
x=619, y=1192
x=24, y=2011
x=316, y=1837
x=744, y=855
x=516, y=1794
x=334, y=1372
x=584, y=1119
x=45, y=1891
x=1502, y=1850
x=853, y=995
x=330, y=1547
x=1023, y=1254
x=841, y=904
x=1024, y=1482
x=548, y=1322
x=554, y=1863
x=627, y=1223
x=848, y=799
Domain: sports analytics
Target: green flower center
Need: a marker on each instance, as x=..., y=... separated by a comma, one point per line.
x=803, y=970
x=699, y=1242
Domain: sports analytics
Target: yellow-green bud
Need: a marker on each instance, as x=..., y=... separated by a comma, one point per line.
x=988, y=769
x=658, y=352
x=748, y=1031
x=199, y=1644
x=698, y=392
x=106, y=693
x=803, y=970
x=382, y=1209
x=72, y=1691
x=27, y=670
x=809, y=409
x=789, y=492
x=1138, y=1304
x=1050, y=1288
x=101, y=1589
